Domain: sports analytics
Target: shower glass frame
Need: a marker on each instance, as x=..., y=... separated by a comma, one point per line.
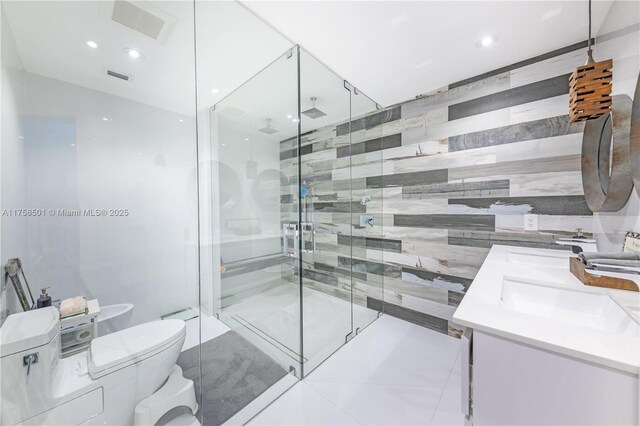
x=282, y=285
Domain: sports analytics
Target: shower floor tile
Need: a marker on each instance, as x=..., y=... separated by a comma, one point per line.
x=276, y=312
x=394, y=372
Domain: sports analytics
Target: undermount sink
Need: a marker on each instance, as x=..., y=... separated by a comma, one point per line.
x=541, y=260
x=593, y=310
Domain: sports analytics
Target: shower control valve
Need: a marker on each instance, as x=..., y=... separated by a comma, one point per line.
x=366, y=220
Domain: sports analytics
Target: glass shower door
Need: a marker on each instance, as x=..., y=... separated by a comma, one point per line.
x=340, y=215
x=366, y=136
x=255, y=211
x=297, y=219
x=325, y=211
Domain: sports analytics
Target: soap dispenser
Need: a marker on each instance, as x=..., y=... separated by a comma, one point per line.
x=44, y=300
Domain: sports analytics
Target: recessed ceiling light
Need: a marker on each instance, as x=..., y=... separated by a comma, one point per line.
x=133, y=53
x=92, y=44
x=181, y=120
x=289, y=116
x=295, y=120
x=73, y=144
x=214, y=90
x=246, y=139
x=486, y=41
x=105, y=119
x=224, y=144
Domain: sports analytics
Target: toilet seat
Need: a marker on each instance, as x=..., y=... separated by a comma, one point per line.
x=123, y=348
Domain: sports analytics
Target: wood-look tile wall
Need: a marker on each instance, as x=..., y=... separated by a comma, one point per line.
x=449, y=174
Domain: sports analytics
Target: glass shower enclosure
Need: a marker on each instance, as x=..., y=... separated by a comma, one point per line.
x=293, y=217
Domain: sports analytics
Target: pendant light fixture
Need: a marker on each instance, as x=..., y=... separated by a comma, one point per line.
x=590, y=87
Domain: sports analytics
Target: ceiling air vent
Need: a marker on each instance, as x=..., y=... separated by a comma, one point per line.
x=139, y=16
x=134, y=17
x=118, y=75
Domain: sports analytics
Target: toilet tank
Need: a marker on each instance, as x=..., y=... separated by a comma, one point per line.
x=32, y=332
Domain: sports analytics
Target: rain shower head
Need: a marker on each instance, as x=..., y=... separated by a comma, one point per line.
x=314, y=112
x=268, y=129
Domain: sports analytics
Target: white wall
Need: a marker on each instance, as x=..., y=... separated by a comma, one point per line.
x=622, y=29
x=12, y=158
x=140, y=158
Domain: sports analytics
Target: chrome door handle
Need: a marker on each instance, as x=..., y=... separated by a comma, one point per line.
x=285, y=239
x=312, y=239
x=30, y=359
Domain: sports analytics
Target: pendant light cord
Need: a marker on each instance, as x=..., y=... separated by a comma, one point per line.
x=589, y=50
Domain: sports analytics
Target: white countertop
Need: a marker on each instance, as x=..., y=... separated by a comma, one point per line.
x=483, y=308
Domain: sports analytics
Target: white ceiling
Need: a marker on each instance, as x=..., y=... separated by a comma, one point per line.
x=233, y=45
x=395, y=50
x=391, y=50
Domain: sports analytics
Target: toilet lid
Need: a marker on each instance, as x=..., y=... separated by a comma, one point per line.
x=132, y=344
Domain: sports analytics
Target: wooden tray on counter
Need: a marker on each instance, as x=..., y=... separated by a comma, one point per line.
x=578, y=269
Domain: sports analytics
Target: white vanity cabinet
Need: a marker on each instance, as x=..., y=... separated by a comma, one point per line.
x=513, y=383
x=541, y=348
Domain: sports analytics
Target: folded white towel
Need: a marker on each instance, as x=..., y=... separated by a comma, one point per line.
x=615, y=262
x=73, y=306
x=609, y=255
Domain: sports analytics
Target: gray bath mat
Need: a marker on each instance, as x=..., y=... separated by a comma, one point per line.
x=234, y=373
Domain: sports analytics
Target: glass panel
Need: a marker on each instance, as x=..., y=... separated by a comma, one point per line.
x=368, y=245
x=255, y=211
x=326, y=209
x=246, y=368
x=98, y=139
x=88, y=140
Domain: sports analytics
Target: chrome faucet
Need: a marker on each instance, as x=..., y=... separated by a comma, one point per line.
x=579, y=243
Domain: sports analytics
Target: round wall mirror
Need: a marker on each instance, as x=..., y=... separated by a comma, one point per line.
x=267, y=190
x=635, y=137
x=606, y=164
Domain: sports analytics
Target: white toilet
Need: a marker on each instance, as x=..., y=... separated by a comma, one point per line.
x=128, y=371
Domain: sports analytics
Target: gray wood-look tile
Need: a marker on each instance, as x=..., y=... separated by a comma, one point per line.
x=426, y=277
x=342, y=271
x=369, y=121
x=408, y=179
x=445, y=98
x=339, y=207
x=519, y=95
x=538, y=129
x=370, y=242
x=488, y=239
x=446, y=221
x=367, y=266
x=425, y=320
x=372, y=145
x=554, y=205
x=449, y=174
x=458, y=190
x=510, y=168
